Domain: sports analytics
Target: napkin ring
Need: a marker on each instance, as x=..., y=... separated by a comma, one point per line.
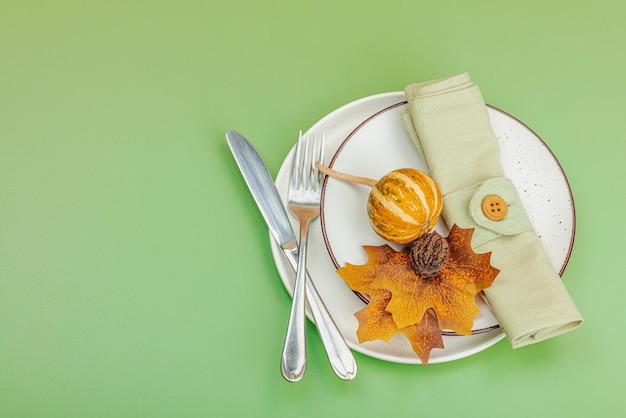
x=492, y=207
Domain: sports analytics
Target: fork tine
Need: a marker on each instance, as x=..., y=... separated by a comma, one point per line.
x=311, y=163
x=307, y=177
x=320, y=158
x=295, y=166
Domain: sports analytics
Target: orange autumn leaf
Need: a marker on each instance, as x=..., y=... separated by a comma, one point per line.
x=375, y=323
x=451, y=293
x=424, y=336
x=419, y=305
x=359, y=278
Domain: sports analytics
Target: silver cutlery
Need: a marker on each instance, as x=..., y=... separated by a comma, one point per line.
x=304, y=203
x=266, y=196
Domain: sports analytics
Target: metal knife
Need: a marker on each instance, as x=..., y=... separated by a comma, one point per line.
x=263, y=189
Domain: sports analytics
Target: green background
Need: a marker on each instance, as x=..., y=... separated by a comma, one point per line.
x=136, y=277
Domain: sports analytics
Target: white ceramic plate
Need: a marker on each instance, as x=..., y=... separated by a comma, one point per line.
x=366, y=138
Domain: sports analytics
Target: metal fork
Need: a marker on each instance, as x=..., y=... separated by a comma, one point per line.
x=304, y=203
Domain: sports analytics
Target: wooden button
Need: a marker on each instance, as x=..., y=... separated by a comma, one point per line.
x=494, y=207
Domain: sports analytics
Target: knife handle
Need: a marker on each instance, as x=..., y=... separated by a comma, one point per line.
x=341, y=359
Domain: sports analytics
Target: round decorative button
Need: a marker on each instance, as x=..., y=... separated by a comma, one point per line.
x=494, y=207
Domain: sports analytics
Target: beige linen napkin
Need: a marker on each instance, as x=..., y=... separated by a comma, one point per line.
x=449, y=124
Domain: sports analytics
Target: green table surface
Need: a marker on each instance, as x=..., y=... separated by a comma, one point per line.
x=136, y=276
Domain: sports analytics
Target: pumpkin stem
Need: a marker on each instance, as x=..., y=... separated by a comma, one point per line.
x=345, y=177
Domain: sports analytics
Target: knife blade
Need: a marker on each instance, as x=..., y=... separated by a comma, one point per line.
x=267, y=198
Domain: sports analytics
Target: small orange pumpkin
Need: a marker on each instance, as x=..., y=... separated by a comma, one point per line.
x=402, y=206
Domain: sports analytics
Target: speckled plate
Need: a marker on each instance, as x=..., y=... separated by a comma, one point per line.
x=366, y=138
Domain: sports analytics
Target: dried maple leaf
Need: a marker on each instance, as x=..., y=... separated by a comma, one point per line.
x=451, y=293
x=375, y=323
x=424, y=336
x=420, y=305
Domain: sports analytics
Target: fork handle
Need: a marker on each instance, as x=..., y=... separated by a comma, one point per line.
x=293, y=363
x=341, y=358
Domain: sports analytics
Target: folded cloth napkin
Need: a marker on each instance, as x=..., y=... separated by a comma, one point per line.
x=449, y=124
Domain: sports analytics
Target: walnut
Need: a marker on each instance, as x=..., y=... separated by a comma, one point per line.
x=429, y=254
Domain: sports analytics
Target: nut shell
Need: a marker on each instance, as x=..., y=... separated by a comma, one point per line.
x=429, y=255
